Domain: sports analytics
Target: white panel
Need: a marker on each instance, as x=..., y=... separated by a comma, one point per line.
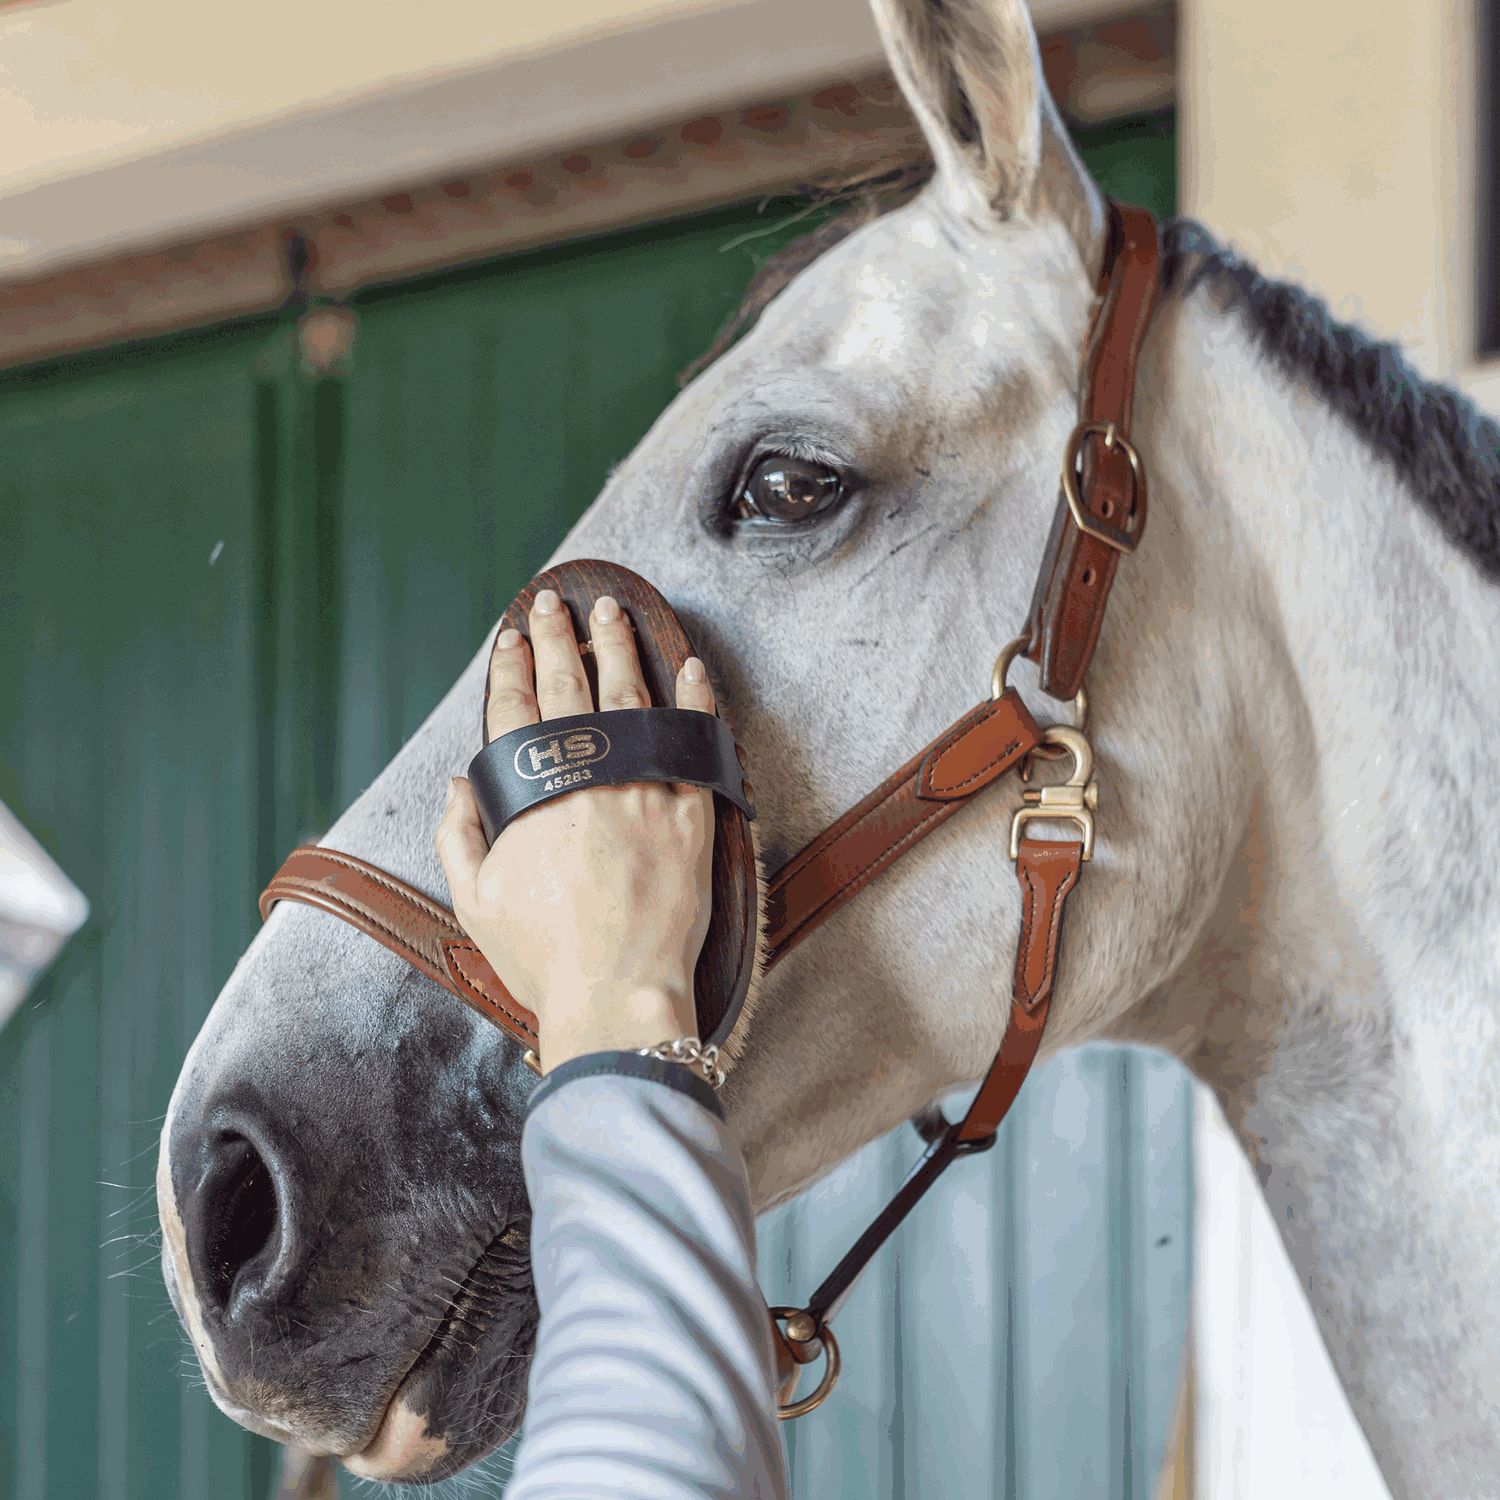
x=1272, y=1417
x=40, y=909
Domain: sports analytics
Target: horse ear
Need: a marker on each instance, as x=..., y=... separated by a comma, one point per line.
x=971, y=73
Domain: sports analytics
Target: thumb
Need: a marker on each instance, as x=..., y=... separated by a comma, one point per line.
x=460, y=842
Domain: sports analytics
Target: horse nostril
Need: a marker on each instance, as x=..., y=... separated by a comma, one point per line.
x=239, y=1215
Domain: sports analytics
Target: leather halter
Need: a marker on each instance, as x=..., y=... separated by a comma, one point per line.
x=1101, y=514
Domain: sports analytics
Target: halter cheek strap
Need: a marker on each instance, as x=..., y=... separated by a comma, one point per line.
x=1101, y=512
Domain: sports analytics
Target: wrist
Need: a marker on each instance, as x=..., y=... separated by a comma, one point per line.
x=622, y=1018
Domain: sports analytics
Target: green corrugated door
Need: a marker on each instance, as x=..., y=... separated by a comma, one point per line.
x=131, y=685
x=226, y=597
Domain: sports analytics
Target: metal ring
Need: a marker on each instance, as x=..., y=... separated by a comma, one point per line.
x=1120, y=541
x=1052, y=752
x=830, y=1372
x=1001, y=670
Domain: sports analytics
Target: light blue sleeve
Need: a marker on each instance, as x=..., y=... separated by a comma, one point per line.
x=653, y=1373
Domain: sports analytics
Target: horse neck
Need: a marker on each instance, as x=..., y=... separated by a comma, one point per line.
x=1342, y=1001
x=1371, y=651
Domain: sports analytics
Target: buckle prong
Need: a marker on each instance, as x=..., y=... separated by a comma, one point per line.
x=1121, y=541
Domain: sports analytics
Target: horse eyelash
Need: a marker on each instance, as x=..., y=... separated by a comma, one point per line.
x=809, y=450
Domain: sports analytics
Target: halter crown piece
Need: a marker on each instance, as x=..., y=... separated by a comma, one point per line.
x=1100, y=517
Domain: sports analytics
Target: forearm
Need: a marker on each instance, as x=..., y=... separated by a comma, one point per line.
x=654, y=1370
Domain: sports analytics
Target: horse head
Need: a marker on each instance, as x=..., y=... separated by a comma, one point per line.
x=345, y=1220
x=344, y=1213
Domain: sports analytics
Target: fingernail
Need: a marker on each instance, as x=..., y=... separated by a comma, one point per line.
x=546, y=603
x=452, y=790
x=509, y=640
x=693, y=670
x=606, y=611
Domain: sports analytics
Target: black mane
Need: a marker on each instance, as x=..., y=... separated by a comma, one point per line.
x=1444, y=449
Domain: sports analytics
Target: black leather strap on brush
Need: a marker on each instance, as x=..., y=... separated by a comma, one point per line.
x=538, y=762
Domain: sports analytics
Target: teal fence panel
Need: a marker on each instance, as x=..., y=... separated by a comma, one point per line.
x=130, y=693
x=227, y=595
x=1021, y=1334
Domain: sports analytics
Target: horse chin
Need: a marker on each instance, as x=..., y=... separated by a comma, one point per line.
x=402, y=1448
x=417, y=1440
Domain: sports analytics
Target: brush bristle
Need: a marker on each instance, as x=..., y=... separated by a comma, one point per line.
x=734, y=1046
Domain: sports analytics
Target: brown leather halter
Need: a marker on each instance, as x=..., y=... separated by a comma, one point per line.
x=1101, y=514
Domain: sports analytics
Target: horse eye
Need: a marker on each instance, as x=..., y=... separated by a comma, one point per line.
x=790, y=489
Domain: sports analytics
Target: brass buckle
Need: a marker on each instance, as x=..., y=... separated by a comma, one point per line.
x=801, y=1329
x=1074, y=801
x=1081, y=518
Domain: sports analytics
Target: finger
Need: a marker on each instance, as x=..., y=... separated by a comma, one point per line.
x=460, y=842
x=512, y=697
x=693, y=690
x=620, y=682
x=561, y=687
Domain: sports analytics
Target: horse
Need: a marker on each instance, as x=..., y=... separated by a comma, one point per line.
x=1293, y=890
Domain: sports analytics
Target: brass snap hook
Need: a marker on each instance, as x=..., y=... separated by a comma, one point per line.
x=1074, y=801
x=802, y=1329
x=1057, y=752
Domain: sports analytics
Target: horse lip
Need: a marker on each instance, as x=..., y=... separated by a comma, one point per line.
x=366, y=1456
x=393, y=1413
x=388, y=1411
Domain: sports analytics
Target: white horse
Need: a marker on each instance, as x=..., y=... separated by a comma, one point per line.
x=1294, y=714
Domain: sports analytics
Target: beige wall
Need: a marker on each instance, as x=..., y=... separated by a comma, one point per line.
x=1332, y=142
x=95, y=84
x=129, y=127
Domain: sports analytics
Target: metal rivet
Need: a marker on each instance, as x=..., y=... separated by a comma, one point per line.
x=800, y=1327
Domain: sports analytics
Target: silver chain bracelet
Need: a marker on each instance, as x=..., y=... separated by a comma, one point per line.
x=691, y=1053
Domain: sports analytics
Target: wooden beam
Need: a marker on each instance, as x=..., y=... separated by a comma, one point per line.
x=708, y=159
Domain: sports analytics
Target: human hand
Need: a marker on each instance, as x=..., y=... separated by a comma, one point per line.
x=592, y=907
